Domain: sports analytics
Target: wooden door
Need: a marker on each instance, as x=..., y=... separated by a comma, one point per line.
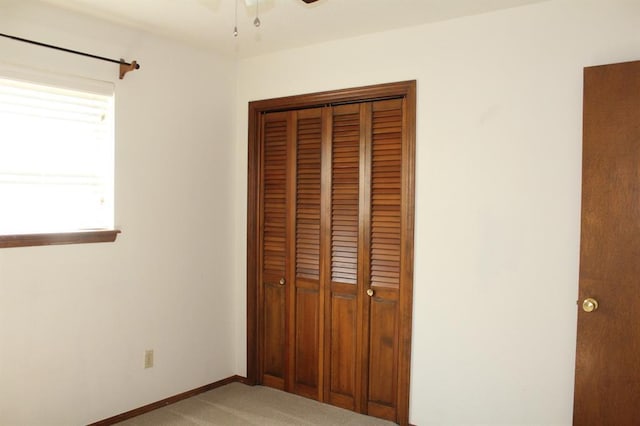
x=368, y=223
x=386, y=230
x=305, y=311
x=290, y=244
x=344, y=321
x=274, y=248
x=607, y=384
x=329, y=312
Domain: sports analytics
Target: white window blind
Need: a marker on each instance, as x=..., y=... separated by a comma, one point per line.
x=56, y=158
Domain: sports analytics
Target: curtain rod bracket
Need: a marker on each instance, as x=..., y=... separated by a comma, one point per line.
x=125, y=67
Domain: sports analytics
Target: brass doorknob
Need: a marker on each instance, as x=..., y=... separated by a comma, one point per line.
x=282, y=281
x=370, y=292
x=589, y=305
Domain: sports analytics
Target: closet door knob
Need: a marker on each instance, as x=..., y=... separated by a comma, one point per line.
x=282, y=281
x=589, y=305
x=370, y=292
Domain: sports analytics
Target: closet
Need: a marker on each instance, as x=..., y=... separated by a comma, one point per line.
x=330, y=246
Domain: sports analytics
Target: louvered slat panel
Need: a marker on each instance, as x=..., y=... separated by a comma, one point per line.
x=386, y=195
x=275, y=197
x=309, y=140
x=274, y=249
x=345, y=197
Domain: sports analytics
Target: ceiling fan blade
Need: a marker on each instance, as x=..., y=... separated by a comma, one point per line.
x=309, y=1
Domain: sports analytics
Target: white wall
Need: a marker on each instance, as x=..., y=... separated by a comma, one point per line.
x=497, y=214
x=497, y=193
x=75, y=320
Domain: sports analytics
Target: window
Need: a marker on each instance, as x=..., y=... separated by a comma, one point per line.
x=56, y=155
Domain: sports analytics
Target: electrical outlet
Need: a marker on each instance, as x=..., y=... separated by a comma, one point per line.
x=148, y=358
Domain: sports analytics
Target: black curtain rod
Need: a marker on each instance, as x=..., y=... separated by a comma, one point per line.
x=124, y=66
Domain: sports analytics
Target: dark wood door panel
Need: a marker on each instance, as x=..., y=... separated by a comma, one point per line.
x=385, y=254
x=305, y=311
x=345, y=193
x=308, y=145
x=386, y=193
x=274, y=317
x=343, y=344
x=307, y=350
x=335, y=190
x=274, y=248
x=607, y=380
x=383, y=353
x=345, y=326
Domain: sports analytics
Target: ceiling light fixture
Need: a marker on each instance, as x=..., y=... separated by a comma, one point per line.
x=235, y=26
x=256, y=21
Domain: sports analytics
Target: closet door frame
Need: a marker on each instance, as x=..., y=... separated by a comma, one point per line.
x=404, y=89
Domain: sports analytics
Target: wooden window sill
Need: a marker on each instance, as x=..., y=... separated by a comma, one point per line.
x=80, y=237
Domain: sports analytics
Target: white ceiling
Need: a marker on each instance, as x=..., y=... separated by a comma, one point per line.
x=285, y=23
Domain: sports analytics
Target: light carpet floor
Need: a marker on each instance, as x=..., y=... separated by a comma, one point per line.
x=236, y=404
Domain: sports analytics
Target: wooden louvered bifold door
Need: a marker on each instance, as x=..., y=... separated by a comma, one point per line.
x=366, y=252
x=335, y=270
x=385, y=251
x=305, y=317
x=275, y=244
x=344, y=334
